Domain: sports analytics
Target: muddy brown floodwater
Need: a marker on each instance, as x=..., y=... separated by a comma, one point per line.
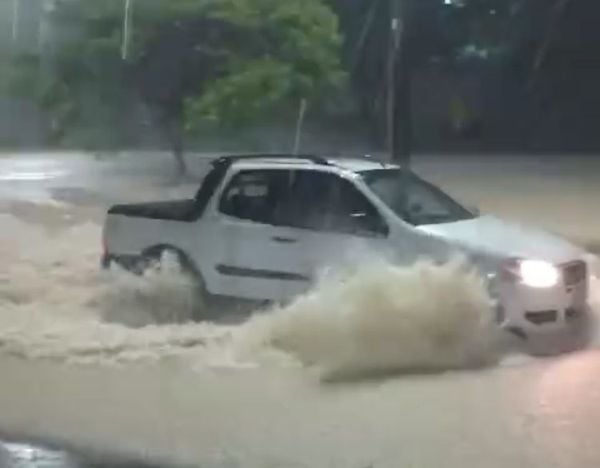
x=380, y=367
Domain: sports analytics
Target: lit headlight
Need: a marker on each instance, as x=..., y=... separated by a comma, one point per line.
x=538, y=274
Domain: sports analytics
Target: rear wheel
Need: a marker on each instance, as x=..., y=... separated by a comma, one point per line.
x=169, y=260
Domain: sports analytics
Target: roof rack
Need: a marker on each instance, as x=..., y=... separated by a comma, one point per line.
x=229, y=160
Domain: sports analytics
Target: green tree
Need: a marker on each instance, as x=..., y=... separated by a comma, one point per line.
x=290, y=52
x=194, y=63
x=82, y=85
x=238, y=62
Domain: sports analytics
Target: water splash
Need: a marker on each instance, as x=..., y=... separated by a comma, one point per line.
x=56, y=303
x=382, y=318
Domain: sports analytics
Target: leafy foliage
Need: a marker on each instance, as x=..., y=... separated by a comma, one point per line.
x=288, y=51
x=204, y=63
x=213, y=61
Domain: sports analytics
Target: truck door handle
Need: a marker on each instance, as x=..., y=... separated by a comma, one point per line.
x=284, y=240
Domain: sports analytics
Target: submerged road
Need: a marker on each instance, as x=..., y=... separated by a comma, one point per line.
x=27, y=455
x=558, y=193
x=530, y=413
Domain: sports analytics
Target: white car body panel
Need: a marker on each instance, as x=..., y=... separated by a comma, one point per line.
x=249, y=260
x=503, y=239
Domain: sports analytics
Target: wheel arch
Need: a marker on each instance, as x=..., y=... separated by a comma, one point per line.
x=155, y=252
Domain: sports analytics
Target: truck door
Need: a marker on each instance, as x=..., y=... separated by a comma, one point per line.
x=256, y=257
x=338, y=224
x=279, y=229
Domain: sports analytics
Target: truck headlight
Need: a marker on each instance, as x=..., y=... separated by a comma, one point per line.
x=538, y=274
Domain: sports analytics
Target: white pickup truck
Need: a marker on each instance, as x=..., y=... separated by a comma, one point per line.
x=262, y=226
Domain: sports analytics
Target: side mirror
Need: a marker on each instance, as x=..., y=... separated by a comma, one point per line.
x=413, y=212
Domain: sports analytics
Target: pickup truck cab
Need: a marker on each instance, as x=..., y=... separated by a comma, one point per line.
x=263, y=227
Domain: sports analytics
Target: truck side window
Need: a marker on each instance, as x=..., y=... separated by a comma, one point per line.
x=325, y=202
x=255, y=195
x=353, y=213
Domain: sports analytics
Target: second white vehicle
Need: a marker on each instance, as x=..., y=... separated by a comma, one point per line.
x=262, y=226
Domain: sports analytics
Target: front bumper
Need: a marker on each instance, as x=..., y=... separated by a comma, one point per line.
x=531, y=310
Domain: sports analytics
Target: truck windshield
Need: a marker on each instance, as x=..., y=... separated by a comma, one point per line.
x=420, y=203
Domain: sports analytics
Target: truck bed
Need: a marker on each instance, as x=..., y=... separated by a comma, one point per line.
x=188, y=210
x=176, y=210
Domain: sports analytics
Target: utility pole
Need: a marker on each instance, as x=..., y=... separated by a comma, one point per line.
x=394, y=47
x=16, y=17
x=46, y=9
x=126, y=28
x=300, y=125
x=399, y=112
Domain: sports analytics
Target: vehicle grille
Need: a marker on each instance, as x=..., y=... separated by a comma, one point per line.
x=541, y=317
x=572, y=313
x=574, y=273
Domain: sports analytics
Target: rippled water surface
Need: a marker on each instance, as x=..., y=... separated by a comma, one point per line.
x=378, y=366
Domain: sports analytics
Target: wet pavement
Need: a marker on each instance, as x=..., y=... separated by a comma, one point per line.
x=86, y=179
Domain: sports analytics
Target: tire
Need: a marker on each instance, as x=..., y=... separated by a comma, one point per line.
x=156, y=259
